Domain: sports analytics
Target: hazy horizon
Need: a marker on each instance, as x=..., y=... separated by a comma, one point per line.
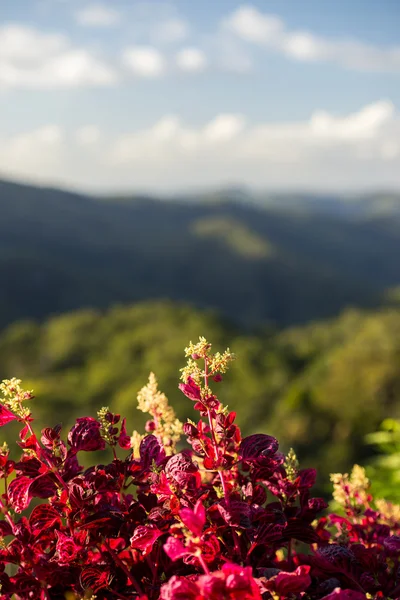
x=224, y=188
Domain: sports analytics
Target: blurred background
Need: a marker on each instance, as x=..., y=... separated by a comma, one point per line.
x=232, y=170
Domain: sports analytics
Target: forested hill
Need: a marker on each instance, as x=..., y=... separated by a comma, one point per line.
x=321, y=388
x=60, y=251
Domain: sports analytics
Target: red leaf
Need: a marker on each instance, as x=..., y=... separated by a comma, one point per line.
x=339, y=594
x=307, y=478
x=190, y=389
x=257, y=446
x=67, y=549
x=151, y=450
x=209, y=463
x=180, y=588
x=183, y=470
x=293, y=583
x=94, y=579
x=29, y=443
x=392, y=543
x=24, y=432
x=235, y=514
x=230, y=418
x=5, y=528
x=43, y=487
x=6, y=416
x=86, y=436
x=194, y=519
x=144, y=537
x=124, y=440
x=175, y=549
x=44, y=517
x=19, y=493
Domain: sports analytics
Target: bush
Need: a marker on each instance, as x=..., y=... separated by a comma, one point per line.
x=385, y=467
x=224, y=518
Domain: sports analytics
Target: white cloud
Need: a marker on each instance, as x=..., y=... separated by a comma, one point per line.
x=357, y=126
x=88, y=135
x=229, y=54
x=390, y=150
x=97, y=15
x=224, y=128
x=325, y=151
x=304, y=46
x=165, y=129
x=35, y=154
x=253, y=26
x=170, y=133
x=24, y=44
x=49, y=136
x=33, y=59
x=170, y=31
x=144, y=61
x=191, y=59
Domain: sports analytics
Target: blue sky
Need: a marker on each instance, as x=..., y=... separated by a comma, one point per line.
x=163, y=96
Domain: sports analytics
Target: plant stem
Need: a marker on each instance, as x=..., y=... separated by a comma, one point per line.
x=224, y=488
x=129, y=575
x=46, y=462
x=236, y=542
x=118, y=595
x=210, y=419
x=203, y=564
x=214, y=439
x=289, y=554
x=6, y=514
x=156, y=564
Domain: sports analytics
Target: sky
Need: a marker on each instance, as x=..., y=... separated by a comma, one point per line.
x=154, y=96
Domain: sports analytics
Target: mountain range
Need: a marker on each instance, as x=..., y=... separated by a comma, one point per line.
x=256, y=258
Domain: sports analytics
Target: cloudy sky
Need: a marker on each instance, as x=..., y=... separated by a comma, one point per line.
x=158, y=96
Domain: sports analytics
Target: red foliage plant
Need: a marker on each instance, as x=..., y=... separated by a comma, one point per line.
x=225, y=518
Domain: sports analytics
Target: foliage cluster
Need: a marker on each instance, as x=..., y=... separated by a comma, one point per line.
x=226, y=518
x=385, y=467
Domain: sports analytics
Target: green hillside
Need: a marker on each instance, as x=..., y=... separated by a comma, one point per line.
x=321, y=387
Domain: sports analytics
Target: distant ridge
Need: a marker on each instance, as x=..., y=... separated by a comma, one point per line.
x=283, y=258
